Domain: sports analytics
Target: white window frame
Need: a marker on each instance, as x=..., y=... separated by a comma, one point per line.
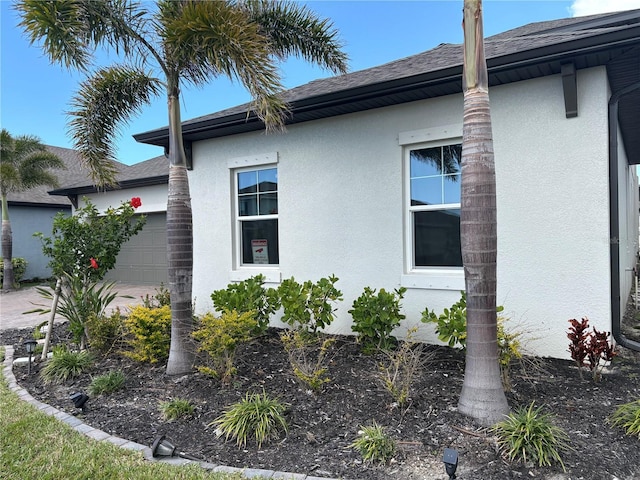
x=436, y=278
x=237, y=165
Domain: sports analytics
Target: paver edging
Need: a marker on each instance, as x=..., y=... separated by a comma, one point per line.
x=99, y=435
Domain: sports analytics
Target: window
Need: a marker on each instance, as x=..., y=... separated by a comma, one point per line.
x=257, y=215
x=434, y=205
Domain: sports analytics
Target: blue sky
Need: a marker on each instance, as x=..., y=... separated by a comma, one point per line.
x=35, y=95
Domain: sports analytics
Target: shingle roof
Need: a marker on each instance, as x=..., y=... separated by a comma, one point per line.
x=150, y=172
x=74, y=172
x=445, y=57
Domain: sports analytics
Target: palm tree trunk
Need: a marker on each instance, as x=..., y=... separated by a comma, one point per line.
x=482, y=396
x=179, y=247
x=7, y=247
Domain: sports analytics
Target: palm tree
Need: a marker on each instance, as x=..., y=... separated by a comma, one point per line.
x=482, y=394
x=185, y=42
x=24, y=163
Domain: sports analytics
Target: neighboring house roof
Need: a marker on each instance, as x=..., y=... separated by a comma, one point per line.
x=154, y=171
x=38, y=196
x=526, y=52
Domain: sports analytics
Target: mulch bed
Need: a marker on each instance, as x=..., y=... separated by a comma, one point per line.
x=323, y=425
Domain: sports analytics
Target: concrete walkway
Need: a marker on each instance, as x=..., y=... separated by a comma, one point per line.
x=13, y=304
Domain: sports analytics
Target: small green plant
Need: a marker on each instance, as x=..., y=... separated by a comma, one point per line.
x=176, y=408
x=509, y=351
x=451, y=324
x=107, y=383
x=401, y=368
x=37, y=330
x=376, y=316
x=150, y=333
x=79, y=301
x=219, y=337
x=65, y=364
x=19, y=267
x=309, y=305
x=627, y=416
x=159, y=299
x=106, y=333
x=308, y=357
x=530, y=435
x=246, y=296
x=592, y=346
x=374, y=444
x=257, y=416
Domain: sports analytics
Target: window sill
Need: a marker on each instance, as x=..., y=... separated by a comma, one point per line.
x=434, y=280
x=271, y=274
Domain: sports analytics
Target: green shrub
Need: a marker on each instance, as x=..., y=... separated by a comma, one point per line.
x=308, y=357
x=451, y=324
x=530, y=435
x=308, y=305
x=65, y=364
x=219, y=337
x=19, y=267
x=150, y=333
x=246, y=296
x=374, y=444
x=107, y=383
x=256, y=416
x=376, y=316
x=159, y=299
x=106, y=333
x=176, y=408
x=627, y=416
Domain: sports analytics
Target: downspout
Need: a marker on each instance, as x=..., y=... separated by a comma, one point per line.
x=614, y=220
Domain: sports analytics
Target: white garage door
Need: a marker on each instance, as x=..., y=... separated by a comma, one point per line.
x=143, y=259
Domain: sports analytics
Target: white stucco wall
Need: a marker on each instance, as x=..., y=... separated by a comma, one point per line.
x=154, y=198
x=341, y=210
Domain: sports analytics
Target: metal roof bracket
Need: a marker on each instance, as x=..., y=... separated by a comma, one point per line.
x=570, y=89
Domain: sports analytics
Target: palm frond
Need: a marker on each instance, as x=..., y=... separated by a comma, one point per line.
x=104, y=103
x=70, y=30
x=295, y=30
x=24, y=163
x=211, y=39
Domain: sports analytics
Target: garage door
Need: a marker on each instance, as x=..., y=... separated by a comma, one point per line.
x=143, y=259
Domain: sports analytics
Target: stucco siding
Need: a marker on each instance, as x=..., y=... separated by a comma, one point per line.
x=25, y=221
x=154, y=198
x=341, y=207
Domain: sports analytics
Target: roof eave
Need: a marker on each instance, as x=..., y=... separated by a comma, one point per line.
x=132, y=183
x=245, y=122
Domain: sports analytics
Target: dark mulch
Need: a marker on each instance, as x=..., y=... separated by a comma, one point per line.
x=322, y=426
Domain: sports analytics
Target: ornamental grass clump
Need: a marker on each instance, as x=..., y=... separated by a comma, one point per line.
x=627, y=416
x=257, y=416
x=374, y=444
x=176, y=408
x=530, y=435
x=107, y=383
x=65, y=364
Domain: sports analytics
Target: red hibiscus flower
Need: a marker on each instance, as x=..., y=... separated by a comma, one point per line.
x=135, y=202
x=94, y=263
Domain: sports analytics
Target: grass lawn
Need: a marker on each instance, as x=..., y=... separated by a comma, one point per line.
x=34, y=445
